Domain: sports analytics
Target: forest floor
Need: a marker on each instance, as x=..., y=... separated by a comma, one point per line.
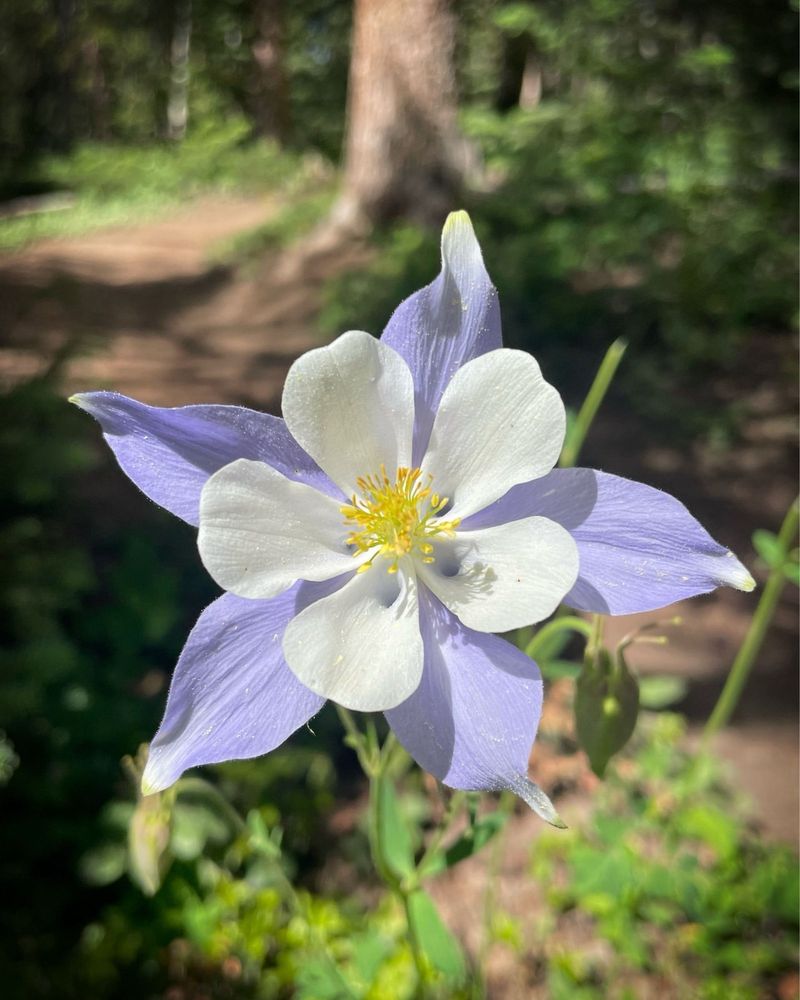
x=141, y=310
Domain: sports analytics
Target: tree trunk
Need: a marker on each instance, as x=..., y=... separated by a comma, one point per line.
x=404, y=155
x=178, y=101
x=269, y=91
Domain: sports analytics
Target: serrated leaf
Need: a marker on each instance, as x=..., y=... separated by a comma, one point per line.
x=440, y=947
x=606, y=708
x=394, y=832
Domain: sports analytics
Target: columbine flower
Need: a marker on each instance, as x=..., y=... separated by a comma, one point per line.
x=370, y=543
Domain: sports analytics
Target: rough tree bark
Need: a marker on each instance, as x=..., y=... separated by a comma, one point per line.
x=404, y=154
x=269, y=89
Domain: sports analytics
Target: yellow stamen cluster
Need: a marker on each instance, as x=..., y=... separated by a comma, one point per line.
x=395, y=518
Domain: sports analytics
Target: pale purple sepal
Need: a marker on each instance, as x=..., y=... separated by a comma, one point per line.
x=639, y=548
x=232, y=695
x=449, y=322
x=473, y=719
x=170, y=452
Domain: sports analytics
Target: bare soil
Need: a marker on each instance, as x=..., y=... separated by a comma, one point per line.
x=152, y=318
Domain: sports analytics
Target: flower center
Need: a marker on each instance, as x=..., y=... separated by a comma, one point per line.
x=395, y=518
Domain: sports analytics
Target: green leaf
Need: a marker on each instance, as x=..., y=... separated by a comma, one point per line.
x=475, y=837
x=660, y=691
x=104, y=864
x=394, y=832
x=438, y=944
x=606, y=708
x=792, y=572
x=768, y=546
x=318, y=979
x=370, y=950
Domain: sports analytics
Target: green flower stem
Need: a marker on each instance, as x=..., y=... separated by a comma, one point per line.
x=356, y=741
x=558, y=624
x=588, y=411
x=748, y=651
x=595, y=639
x=375, y=760
x=457, y=800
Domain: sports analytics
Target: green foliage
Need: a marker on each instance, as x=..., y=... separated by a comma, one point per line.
x=437, y=943
x=480, y=831
x=393, y=832
x=102, y=72
x=768, y=546
x=647, y=194
x=79, y=650
x=676, y=882
x=112, y=183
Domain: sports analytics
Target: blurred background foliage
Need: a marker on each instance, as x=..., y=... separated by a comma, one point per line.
x=633, y=174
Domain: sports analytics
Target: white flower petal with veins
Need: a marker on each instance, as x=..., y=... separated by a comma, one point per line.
x=361, y=646
x=351, y=407
x=496, y=579
x=498, y=424
x=260, y=532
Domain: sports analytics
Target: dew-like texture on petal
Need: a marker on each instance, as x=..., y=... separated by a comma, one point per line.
x=504, y=577
x=260, y=532
x=169, y=452
x=639, y=548
x=473, y=718
x=360, y=647
x=351, y=406
x=499, y=423
x=232, y=695
x=447, y=323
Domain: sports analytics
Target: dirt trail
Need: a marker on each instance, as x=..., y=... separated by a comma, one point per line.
x=154, y=319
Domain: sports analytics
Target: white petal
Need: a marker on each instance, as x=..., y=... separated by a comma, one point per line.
x=496, y=579
x=260, y=532
x=499, y=424
x=360, y=647
x=351, y=407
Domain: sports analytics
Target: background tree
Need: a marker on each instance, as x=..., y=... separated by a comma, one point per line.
x=269, y=93
x=404, y=154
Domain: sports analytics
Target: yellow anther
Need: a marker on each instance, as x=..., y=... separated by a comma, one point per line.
x=395, y=519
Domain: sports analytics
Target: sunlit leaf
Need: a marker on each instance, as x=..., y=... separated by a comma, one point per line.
x=439, y=945
x=394, y=831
